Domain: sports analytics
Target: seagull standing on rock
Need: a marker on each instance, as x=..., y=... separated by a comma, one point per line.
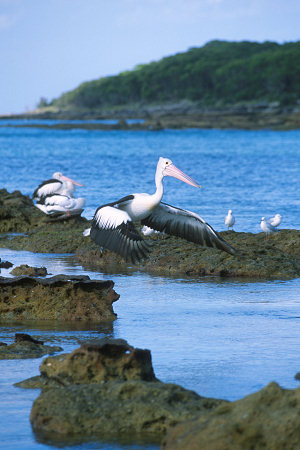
x=276, y=220
x=267, y=227
x=229, y=219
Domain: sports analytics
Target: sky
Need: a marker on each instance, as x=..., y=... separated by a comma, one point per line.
x=48, y=47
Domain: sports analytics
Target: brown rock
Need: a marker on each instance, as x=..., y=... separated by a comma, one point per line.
x=108, y=390
x=61, y=297
x=24, y=269
x=110, y=359
x=268, y=419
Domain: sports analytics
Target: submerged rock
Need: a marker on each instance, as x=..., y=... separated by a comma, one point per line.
x=268, y=419
x=5, y=264
x=108, y=390
x=61, y=297
x=24, y=269
x=26, y=347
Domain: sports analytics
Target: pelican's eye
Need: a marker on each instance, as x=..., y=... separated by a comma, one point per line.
x=167, y=162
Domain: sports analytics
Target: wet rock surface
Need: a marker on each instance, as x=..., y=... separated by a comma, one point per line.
x=26, y=347
x=24, y=269
x=62, y=297
x=108, y=390
x=268, y=419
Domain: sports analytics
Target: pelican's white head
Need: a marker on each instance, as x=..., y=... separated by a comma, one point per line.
x=165, y=167
x=59, y=176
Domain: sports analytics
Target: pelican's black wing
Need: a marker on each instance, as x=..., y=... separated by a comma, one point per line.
x=187, y=225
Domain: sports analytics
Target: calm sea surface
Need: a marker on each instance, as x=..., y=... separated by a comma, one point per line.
x=221, y=338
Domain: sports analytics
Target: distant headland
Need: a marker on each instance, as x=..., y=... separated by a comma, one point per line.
x=245, y=85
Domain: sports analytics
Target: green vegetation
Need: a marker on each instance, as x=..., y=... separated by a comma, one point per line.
x=219, y=73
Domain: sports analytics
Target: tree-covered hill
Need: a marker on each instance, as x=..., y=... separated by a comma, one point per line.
x=219, y=73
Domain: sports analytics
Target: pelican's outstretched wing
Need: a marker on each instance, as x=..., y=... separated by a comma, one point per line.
x=113, y=229
x=187, y=225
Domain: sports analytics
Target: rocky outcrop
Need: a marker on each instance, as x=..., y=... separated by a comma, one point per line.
x=108, y=391
x=29, y=271
x=26, y=347
x=268, y=419
x=19, y=215
x=17, y=212
x=65, y=298
x=278, y=256
x=258, y=257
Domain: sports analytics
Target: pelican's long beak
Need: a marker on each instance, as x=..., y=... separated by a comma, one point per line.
x=64, y=178
x=173, y=171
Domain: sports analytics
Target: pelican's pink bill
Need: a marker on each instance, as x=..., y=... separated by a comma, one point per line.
x=64, y=178
x=173, y=171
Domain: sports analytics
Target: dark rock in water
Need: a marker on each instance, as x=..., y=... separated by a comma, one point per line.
x=108, y=390
x=25, y=347
x=62, y=297
x=268, y=419
x=24, y=269
x=5, y=264
x=23, y=337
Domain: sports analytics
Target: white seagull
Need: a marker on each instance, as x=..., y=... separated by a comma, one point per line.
x=267, y=227
x=229, y=219
x=276, y=220
x=113, y=224
x=58, y=184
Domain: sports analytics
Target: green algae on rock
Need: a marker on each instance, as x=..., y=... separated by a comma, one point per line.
x=267, y=419
x=62, y=297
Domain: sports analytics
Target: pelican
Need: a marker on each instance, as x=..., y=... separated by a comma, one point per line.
x=113, y=223
x=58, y=203
x=229, y=219
x=276, y=220
x=267, y=227
x=58, y=184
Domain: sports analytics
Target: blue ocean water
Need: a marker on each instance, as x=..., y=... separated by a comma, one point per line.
x=221, y=338
x=254, y=173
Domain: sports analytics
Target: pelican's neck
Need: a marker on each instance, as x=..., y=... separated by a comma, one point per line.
x=157, y=196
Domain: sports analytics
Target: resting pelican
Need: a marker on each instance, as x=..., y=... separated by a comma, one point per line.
x=229, y=219
x=58, y=184
x=58, y=203
x=276, y=220
x=113, y=224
